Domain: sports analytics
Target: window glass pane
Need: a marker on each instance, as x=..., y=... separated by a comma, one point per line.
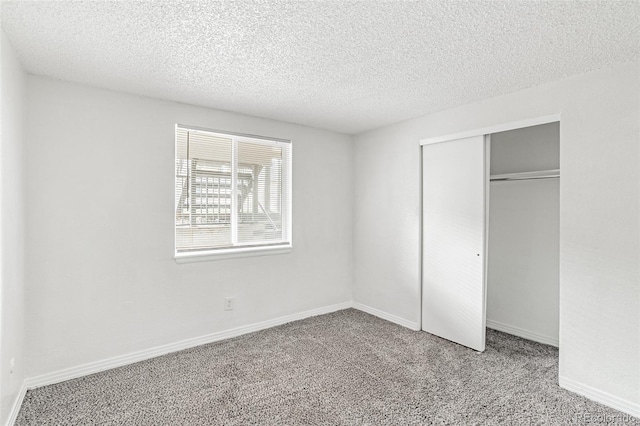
x=259, y=192
x=201, y=158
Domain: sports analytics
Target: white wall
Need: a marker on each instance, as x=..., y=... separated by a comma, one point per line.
x=12, y=225
x=101, y=276
x=523, y=261
x=599, y=217
x=524, y=240
x=527, y=149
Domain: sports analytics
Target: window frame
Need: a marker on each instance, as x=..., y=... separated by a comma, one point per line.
x=242, y=250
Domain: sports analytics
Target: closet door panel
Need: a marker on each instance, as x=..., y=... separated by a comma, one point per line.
x=453, y=278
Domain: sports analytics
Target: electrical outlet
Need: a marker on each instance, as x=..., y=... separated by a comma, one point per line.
x=12, y=365
x=229, y=303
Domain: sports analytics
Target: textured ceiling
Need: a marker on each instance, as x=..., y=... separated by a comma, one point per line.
x=344, y=66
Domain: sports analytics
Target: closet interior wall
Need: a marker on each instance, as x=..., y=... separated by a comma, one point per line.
x=523, y=240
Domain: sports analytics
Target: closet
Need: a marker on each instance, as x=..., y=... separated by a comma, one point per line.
x=524, y=238
x=490, y=235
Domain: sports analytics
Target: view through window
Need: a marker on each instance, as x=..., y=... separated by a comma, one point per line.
x=231, y=191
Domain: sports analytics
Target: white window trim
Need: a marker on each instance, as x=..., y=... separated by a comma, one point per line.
x=246, y=251
x=231, y=253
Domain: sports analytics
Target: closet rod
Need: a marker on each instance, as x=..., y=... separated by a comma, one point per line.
x=542, y=174
x=524, y=178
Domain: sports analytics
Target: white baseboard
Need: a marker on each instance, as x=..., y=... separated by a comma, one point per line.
x=386, y=316
x=119, y=361
x=602, y=397
x=15, y=409
x=521, y=332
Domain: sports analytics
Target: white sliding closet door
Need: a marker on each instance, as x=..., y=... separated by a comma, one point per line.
x=454, y=186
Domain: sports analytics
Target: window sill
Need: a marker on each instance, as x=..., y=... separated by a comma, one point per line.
x=231, y=253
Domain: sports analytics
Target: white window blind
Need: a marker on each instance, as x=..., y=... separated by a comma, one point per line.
x=231, y=191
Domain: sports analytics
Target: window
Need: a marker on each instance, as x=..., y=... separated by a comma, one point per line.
x=232, y=194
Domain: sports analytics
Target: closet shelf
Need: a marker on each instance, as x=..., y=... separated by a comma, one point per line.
x=540, y=174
